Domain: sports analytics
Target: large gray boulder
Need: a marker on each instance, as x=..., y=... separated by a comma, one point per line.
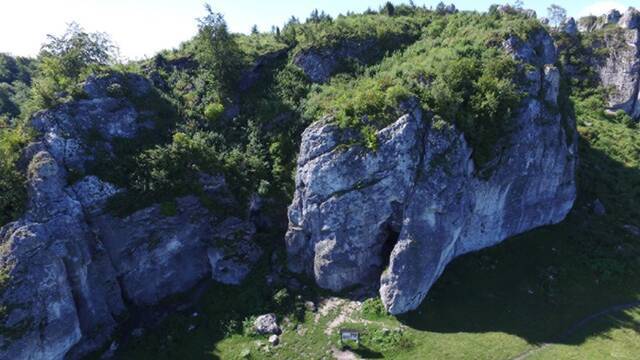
x=400, y=214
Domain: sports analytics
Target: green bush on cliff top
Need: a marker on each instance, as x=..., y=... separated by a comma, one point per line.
x=457, y=70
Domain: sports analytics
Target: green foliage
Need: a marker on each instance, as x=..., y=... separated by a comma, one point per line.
x=373, y=309
x=12, y=189
x=218, y=54
x=457, y=70
x=213, y=111
x=15, y=79
x=281, y=299
x=388, y=32
x=65, y=61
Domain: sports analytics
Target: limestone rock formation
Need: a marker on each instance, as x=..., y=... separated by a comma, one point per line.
x=68, y=268
x=619, y=70
x=400, y=214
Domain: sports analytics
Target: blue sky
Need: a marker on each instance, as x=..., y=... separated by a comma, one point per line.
x=142, y=27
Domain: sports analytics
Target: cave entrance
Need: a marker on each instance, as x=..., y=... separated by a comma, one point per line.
x=388, y=245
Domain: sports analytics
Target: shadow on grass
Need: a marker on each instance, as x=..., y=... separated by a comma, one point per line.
x=367, y=353
x=541, y=285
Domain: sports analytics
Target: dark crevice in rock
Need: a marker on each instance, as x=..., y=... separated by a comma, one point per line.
x=388, y=245
x=635, y=107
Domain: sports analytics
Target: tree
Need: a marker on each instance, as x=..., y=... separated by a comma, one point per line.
x=557, y=15
x=317, y=16
x=64, y=61
x=389, y=9
x=442, y=9
x=77, y=50
x=254, y=30
x=218, y=53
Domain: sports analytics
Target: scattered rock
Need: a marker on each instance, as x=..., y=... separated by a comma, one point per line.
x=267, y=324
x=310, y=306
x=274, y=340
x=110, y=353
x=598, y=208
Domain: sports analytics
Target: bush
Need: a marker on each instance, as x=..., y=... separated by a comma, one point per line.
x=281, y=298
x=373, y=309
x=13, y=194
x=212, y=112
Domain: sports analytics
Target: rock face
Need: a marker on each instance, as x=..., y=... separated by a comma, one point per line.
x=400, y=214
x=322, y=63
x=69, y=270
x=619, y=70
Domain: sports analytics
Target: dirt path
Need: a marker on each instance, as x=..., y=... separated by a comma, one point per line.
x=577, y=326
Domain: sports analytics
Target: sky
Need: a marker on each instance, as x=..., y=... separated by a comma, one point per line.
x=140, y=28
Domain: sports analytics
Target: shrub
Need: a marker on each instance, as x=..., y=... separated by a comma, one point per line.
x=373, y=309
x=281, y=298
x=13, y=193
x=212, y=112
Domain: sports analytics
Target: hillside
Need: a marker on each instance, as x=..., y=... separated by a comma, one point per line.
x=477, y=175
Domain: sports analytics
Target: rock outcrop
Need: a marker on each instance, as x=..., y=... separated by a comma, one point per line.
x=619, y=69
x=319, y=64
x=400, y=214
x=68, y=269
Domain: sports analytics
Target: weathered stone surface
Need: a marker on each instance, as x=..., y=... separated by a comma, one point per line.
x=619, y=70
x=342, y=214
x=116, y=85
x=231, y=264
x=319, y=64
x=93, y=193
x=71, y=268
x=630, y=19
x=401, y=213
x=155, y=255
x=267, y=324
x=62, y=291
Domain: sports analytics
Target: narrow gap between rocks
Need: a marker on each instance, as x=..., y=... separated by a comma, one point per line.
x=387, y=247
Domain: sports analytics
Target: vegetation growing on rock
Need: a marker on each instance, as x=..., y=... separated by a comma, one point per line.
x=235, y=105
